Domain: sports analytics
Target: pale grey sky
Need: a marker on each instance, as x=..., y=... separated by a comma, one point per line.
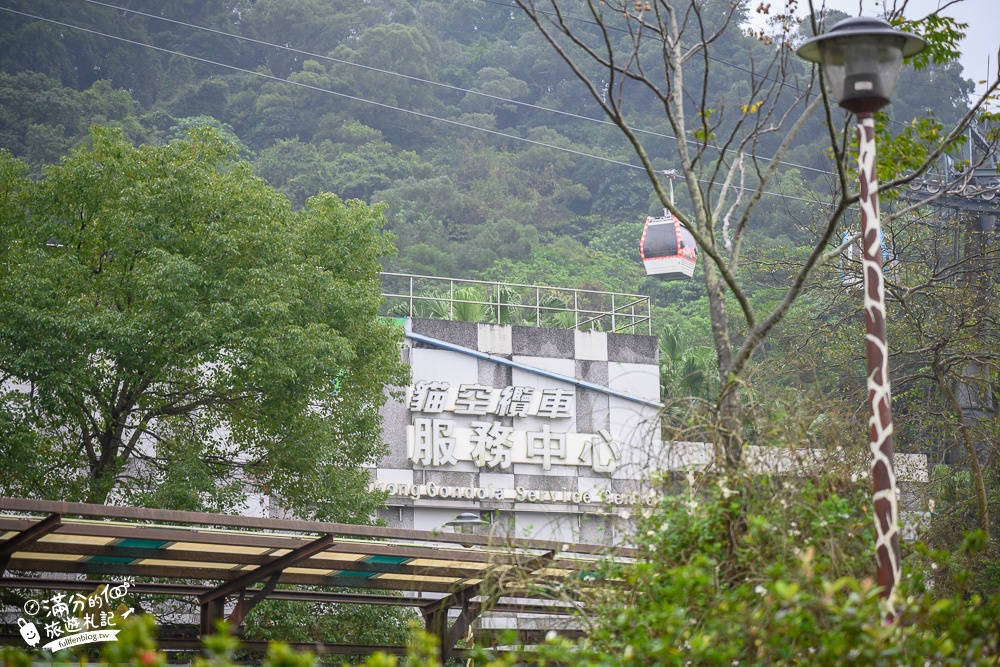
x=982, y=36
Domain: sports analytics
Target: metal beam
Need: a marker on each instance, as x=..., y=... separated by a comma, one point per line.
x=269, y=541
x=264, y=571
x=188, y=590
x=244, y=606
x=972, y=204
x=27, y=536
x=210, y=614
x=236, y=559
x=583, y=384
x=194, y=591
x=213, y=574
x=462, y=595
x=436, y=613
x=455, y=542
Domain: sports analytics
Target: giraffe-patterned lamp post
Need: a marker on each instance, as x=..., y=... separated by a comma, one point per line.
x=861, y=60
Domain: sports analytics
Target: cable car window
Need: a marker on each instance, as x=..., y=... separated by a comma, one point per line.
x=660, y=239
x=686, y=239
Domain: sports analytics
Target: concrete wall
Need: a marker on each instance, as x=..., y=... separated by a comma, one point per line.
x=565, y=463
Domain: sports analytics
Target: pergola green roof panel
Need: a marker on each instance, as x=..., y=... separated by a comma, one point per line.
x=214, y=557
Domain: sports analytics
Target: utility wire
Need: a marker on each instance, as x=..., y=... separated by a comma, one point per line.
x=300, y=84
x=417, y=79
x=610, y=28
x=362, y=100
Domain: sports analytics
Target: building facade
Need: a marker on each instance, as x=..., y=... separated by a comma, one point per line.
x=543, y=433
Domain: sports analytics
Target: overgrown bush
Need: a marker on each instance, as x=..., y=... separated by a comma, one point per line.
x=775, y=574
x=760, y=570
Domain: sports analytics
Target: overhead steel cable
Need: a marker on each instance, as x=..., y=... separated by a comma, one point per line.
x=610, y=28
x=362, y=100
x=300, y=84
x=438, y=84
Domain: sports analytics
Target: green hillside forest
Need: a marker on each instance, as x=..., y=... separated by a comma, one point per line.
x=494, y=162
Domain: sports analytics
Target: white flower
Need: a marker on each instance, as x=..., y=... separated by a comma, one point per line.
x=551, y=636
x=760, y=590
x=650, y=533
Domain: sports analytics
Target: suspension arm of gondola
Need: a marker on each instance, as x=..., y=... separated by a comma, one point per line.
x=703, y=242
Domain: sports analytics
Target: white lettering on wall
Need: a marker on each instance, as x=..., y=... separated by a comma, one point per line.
x=477, y=399
x=439, y=442
x=434, y=440
x=517, y=494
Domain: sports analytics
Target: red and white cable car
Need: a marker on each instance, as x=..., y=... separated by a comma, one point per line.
x=667, y=248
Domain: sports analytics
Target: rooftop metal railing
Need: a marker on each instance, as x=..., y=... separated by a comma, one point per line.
x=409, y=295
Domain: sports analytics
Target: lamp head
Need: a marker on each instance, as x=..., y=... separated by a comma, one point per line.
x=862, y=58
x=466, y=523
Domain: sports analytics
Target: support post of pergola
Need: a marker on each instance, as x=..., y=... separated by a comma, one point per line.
x=436, y=617
x=213, y=602
x=436, y=613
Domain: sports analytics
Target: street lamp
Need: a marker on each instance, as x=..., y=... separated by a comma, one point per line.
x=861, y=60
x=467, y=523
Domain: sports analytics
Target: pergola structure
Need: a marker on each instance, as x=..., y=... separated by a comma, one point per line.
x=228, y=564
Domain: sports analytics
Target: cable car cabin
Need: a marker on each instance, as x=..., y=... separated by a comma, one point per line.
x=667, y=248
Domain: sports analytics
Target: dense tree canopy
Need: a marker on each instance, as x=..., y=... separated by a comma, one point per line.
x=174, y=334
x=492, y=159
x=480, y=66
